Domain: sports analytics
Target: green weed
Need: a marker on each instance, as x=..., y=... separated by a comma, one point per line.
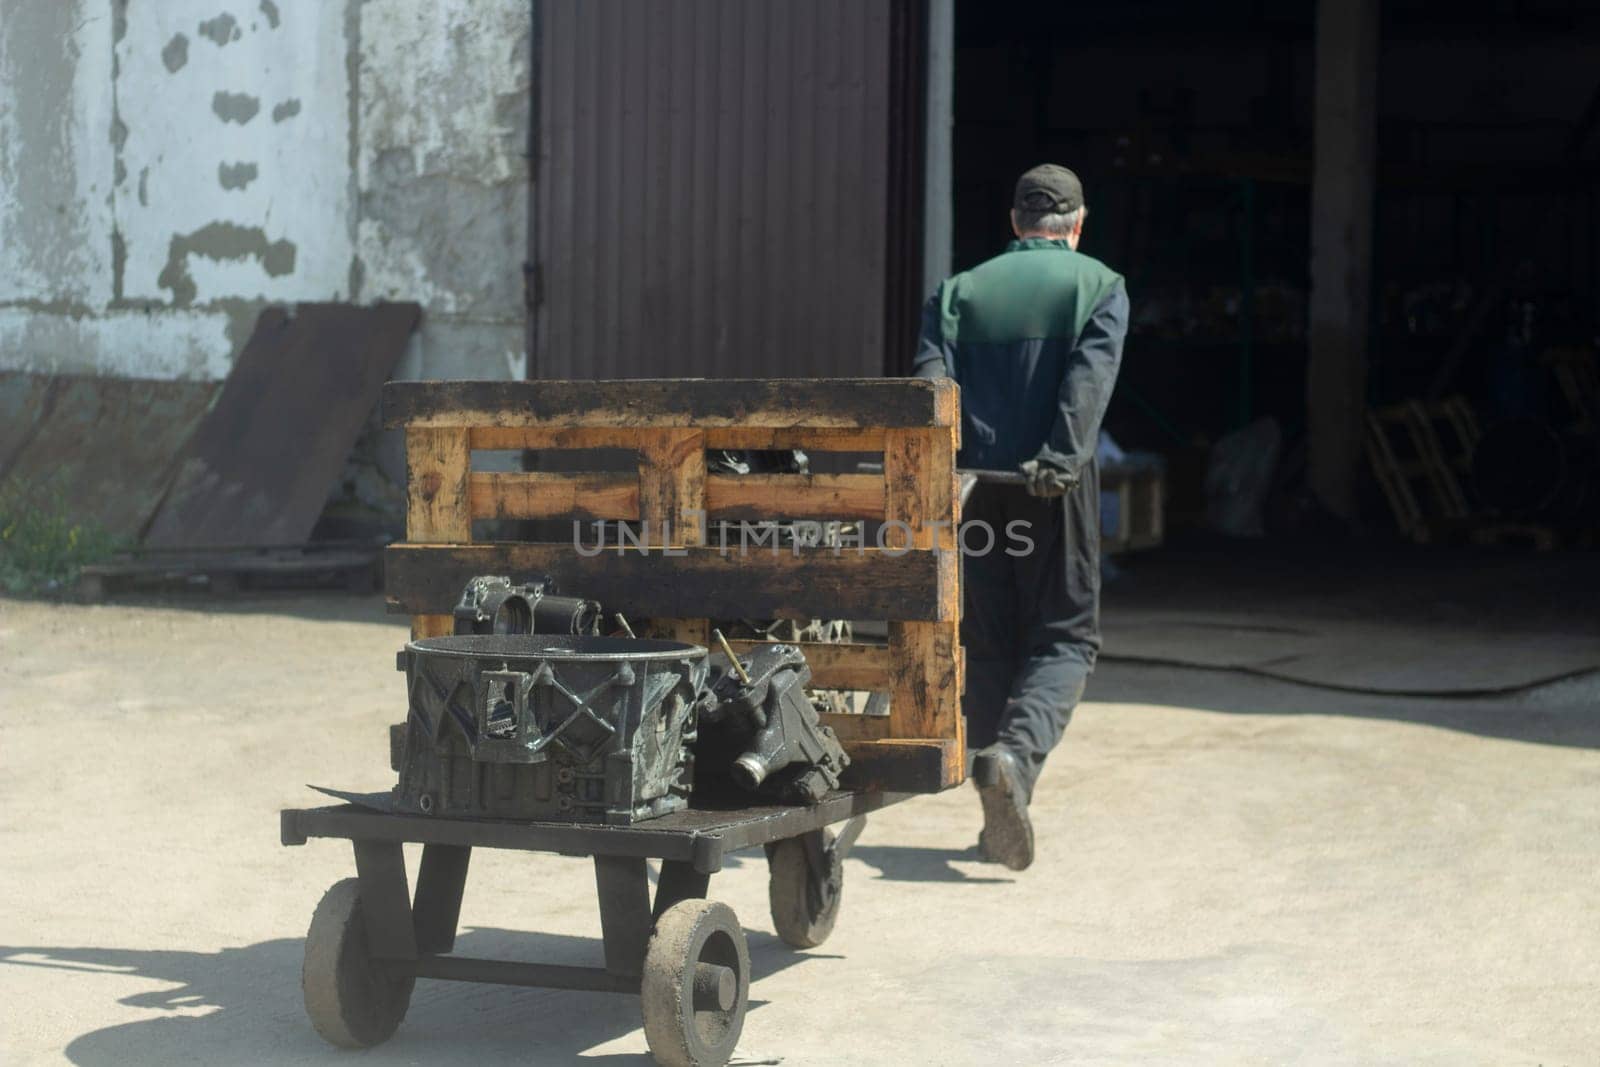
x=42, y=547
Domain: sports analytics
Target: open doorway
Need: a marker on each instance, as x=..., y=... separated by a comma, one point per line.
x=1190, y=125
x=1193, y=127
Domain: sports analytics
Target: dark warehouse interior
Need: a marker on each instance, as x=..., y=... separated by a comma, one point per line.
x=1194, y=127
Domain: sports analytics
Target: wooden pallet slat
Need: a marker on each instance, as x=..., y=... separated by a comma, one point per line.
x=608, y=495
x=554, y=494
x=843, y=666
x=670, y=403
x=438, y=469
x=819, y=439
x=921, y=491
x=802, y=583
x=1429, y=471
x=672, y=495
x=553, y=438
x=794, y=496
x=579, y=438
x=438, y=462
x=672, y=486
x=905, y=765
x=850, y=727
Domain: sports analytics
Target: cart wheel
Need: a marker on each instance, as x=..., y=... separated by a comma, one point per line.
x=696, y=985
x=805, y=902
x=352, y=1002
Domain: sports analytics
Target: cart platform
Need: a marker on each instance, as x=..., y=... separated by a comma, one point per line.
x=700, y=836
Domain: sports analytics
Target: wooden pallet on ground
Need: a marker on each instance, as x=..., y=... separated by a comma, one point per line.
x=1141, y=489
x=1577, y=375
x=225, y=570
x=685, y=566
x=1420, y=453
x=1515, y=535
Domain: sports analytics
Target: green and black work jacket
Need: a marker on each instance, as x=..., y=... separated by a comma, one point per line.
x=1034, y=337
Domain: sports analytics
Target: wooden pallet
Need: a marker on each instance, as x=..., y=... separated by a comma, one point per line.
x=1577, y=374
x=1538, y=537
x=1420, y=453
x=689, y=574
x=225, y=569
x=1141, y=489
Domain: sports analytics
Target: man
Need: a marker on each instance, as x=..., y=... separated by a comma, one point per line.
x=1034, y=337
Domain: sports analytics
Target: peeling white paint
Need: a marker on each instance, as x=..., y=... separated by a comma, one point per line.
x=178, y=134
x=433, y=73
x=123, y=344
x=56, y=161
x=444, y=93
x=96, y=165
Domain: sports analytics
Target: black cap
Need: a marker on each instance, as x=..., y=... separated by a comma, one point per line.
x=1048, y=189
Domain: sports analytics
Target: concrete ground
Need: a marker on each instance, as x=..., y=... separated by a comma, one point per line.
x=1233, y=870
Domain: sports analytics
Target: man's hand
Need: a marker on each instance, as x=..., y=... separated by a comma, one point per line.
x=1046, y=479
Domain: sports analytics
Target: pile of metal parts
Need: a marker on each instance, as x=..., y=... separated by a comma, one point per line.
x=492, y=605
x=759, y=724
x=795, y=631
x=528, y=712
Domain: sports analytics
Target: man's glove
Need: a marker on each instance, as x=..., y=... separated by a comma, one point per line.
x=1047, y=480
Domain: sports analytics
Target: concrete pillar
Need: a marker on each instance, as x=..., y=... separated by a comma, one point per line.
x=937, y=206
x=1345, y=147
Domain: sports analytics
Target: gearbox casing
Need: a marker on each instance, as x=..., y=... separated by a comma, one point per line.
x=548, y=727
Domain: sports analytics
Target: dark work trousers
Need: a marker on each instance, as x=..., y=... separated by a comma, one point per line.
x=1031, y=619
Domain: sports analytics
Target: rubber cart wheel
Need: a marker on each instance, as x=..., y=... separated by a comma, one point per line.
x=352, y=1001
x=804, y=904
x=696, y=985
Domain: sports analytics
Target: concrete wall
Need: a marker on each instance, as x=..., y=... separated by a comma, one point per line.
x=442, y=173
x=167, y=169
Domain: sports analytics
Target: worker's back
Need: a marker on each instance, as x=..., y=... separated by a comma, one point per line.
x=1008, y=327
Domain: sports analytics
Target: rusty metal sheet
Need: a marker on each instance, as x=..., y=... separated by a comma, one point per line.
x=22, y=400
x=104, y=448
x=716, y=196
x=262, y=462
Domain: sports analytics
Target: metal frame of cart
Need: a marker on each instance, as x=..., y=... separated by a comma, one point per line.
x=371, y=937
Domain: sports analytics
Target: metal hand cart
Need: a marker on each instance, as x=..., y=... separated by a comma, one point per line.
x=682, y=954
x=686, y=956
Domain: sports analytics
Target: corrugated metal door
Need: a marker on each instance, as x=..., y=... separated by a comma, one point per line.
x=712, y=188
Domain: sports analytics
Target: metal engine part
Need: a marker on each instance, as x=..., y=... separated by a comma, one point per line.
x=790, y=631
x=551, y=727
x=758, y=722
x=493, y=605
x=757, y=461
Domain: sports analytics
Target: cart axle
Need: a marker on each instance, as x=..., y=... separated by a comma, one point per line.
x=513, y=972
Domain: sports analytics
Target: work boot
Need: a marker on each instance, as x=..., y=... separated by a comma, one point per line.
x=1007, y=835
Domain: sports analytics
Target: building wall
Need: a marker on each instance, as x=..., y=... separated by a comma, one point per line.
x=166, y=170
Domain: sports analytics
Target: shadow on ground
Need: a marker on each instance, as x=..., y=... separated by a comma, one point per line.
x=243, y=1005
x=313, y=605
x=1565, y=713
x=896, y=863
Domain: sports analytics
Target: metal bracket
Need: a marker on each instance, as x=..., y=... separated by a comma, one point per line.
x=385, y=901
x=625, y=919
x=846, y=839
x=677, y=882
x=436, y=905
